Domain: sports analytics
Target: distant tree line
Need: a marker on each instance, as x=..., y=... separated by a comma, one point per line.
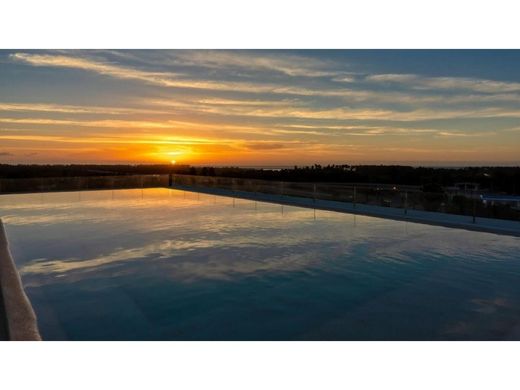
x=496, y=179
x=74, y=170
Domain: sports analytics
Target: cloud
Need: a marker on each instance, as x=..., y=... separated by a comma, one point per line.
x=165, y=126
x=264, y=146
x=166, y=79
x=5, y=154
x=452, y=134
x=73, y=109
x=236, y=102
x=446, y=83
x=243, y=61
x=346, y=97
x=299, y=111
x=344, y=79
x=279, y=112
x=290, y=65
x=370, y=131
x=89, y=123
x=393, y=78
x=500, y=91
x=103, y=68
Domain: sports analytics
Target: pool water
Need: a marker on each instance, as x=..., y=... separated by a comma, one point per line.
x=160, y=264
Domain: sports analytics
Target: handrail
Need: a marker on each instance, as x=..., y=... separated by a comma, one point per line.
x=406, y=198
x=81, y=183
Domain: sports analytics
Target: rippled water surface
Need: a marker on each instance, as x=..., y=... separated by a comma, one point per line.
x=158, y=264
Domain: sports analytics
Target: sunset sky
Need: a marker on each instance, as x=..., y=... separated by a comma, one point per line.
x=260, y=108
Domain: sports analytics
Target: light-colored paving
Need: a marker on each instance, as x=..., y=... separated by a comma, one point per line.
x=18, y=313
x=490, y=225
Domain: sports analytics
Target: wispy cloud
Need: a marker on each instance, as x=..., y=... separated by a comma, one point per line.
x=496, y=90
x=287, y=109
x=119, y=139
x=278, y=112
x=74, y=109
x=290, y=65
x=171, y=131
x=103, y=68
x=92, y=123
x=166, y=79
x=415, y=81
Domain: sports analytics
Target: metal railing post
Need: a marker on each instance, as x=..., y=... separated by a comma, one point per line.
x=474, y=206
x=314, y=192
x=233, y=186
x=406, y=202
x=354, y=197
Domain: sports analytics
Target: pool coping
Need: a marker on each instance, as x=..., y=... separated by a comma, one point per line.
x=18, y=313
x=485, y=225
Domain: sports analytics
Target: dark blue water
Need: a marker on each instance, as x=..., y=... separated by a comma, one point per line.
x=171, y=265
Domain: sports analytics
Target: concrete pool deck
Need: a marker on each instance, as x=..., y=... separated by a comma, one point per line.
x=487, y=225
x=17, y=315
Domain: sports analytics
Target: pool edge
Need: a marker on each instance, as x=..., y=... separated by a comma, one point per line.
x=19, y=314
x=415, y=216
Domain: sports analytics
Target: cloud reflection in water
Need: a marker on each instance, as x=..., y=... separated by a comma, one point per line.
x=353, y=267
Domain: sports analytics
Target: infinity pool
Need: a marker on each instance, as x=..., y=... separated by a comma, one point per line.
x=159, y=264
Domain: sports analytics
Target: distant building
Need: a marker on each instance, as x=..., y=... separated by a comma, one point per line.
x=468, y=189
x=467, y=186
x=511, y=200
